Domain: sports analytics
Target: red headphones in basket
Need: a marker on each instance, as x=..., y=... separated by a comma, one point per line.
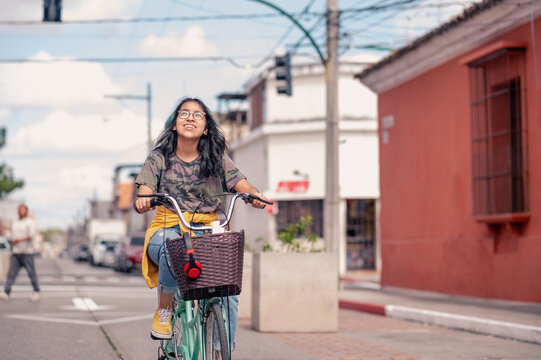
x=193, y=268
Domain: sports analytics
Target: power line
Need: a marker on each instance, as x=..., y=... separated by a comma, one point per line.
x=149, y=19
x=283, y=37
x=126, y=60
x=371, y=8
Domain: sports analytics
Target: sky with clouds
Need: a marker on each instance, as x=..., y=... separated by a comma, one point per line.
x=65, y=137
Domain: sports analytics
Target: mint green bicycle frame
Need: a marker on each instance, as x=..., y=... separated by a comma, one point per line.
x=192, y=328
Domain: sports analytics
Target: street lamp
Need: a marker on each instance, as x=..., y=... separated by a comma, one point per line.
x=148, y=98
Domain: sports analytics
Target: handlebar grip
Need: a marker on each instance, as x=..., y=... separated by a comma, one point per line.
x=154, y=202
x=254, y=197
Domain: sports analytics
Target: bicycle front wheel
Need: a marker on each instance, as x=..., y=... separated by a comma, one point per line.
x=216, y=345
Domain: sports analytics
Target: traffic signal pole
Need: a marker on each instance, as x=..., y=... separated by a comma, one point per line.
x=332, y=197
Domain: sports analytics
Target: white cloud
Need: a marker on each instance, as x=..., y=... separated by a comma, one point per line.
x=54, y=84
x=62, y=131
x=60, y=187
x=192, y=44
x=88, y=177
x=3, y=115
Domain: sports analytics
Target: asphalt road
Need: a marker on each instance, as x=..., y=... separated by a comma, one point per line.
x=95, y=313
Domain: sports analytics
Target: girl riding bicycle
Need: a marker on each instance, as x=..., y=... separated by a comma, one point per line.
x=189, y=161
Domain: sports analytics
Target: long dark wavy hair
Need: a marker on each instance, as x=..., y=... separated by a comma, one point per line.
x=211, y=147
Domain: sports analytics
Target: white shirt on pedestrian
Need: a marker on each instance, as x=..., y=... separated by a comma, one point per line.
x=22, y=228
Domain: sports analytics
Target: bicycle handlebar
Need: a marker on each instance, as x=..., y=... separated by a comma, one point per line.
x=161, y=198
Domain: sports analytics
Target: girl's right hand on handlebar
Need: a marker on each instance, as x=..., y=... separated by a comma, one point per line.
x=142, y=205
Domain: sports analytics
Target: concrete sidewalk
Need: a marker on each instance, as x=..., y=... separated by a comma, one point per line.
x=508, y=319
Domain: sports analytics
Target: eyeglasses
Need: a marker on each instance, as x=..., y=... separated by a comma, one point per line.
x=197, y=115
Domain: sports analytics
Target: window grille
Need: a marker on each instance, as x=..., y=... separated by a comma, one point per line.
x=499, y=133
x=290, y=212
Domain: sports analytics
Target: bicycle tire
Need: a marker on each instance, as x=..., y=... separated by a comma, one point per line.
x=215, y=318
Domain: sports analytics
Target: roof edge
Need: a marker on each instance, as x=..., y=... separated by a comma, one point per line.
x=466, y=15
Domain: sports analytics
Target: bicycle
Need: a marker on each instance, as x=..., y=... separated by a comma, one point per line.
x=196, y=328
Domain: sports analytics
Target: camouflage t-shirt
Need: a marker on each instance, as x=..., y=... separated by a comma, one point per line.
x=182, y=181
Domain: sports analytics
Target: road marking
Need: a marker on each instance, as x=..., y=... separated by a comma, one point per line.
x=48, y=319
x=85, y=304
x=79, y=322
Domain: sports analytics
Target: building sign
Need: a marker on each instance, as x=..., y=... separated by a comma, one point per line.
x=272, y=209
x=298, y=186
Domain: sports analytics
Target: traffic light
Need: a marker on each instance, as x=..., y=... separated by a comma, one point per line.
x=52, y=10
x=282, y=66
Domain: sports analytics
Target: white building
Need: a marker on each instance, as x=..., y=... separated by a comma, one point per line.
x=284, y=156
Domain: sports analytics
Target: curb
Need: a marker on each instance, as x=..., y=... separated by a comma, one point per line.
x=376, y=309
x=525, y=333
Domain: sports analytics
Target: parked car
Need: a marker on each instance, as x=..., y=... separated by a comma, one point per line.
x=4, y=244
x=129, y=253
x=97, y=256
x=109, y=256
x=82, y=253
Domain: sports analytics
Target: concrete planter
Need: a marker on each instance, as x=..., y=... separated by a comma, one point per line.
x=295, y=292
x=245, y=297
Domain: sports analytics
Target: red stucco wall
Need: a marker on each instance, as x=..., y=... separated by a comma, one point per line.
x=429, y=239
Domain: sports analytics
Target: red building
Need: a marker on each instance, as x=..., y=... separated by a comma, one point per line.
x=460, y=155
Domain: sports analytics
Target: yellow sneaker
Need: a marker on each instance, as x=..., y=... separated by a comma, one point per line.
x=161, y=325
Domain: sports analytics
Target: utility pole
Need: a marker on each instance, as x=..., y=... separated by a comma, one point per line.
x=331, y=204
x=148, y=98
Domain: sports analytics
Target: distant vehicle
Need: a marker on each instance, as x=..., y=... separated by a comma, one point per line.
x=82, y=253
x=129, y=253
x=101, y=231
x=109, y=257
x=103, y=242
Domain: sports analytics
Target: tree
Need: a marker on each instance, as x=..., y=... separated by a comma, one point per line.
x=8, y=183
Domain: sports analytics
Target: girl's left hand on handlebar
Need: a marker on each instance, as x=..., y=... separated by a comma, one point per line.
x=258, y=204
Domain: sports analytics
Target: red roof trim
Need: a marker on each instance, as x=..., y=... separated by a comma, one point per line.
x=492, y=48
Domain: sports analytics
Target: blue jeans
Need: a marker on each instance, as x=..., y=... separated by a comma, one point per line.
x=157, y=251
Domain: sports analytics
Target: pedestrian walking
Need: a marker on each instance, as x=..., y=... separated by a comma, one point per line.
x=23, y=231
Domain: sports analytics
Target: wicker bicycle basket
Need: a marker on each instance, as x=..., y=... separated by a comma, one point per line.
x=221, y=256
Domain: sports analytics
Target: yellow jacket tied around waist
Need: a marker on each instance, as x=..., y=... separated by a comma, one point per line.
x=169, y=219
